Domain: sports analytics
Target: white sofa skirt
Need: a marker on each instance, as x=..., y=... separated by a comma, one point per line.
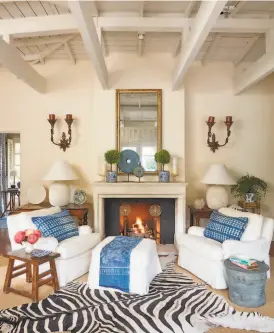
x=144, y=266
x=211, y=271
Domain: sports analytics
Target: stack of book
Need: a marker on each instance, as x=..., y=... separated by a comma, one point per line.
x=245, y=263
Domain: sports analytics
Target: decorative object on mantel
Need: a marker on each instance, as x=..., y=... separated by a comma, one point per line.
x=36, y=194
x=163, y=157
x=249, y=188
x=59, y=193
x=112, y=157
x=139, y=171
x=174, y=167
x=80, y=197
x=217, y=195
x=64, y=142
x=129, y=161
x=213, y=144
x=199, y=203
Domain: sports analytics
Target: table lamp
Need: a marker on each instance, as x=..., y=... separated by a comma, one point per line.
x=217, y=195
x=59, y=192
x=13, y=174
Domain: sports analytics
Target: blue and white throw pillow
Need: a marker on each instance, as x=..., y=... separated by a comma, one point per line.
x=60, y=225
x=221, y=227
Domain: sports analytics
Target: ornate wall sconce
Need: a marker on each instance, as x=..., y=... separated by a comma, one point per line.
x=211, y=138
x=64, y=142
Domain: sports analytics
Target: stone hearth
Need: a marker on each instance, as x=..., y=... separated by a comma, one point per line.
x=103, y=190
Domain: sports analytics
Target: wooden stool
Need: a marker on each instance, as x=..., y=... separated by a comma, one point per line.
x=25, y=268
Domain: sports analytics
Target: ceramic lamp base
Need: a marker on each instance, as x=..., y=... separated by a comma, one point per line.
x=59, y=194
x=216, y=197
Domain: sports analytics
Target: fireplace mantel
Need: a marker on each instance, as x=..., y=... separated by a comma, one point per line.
x=175, y=190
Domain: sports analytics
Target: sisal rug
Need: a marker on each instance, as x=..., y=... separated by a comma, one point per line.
x=175, y=303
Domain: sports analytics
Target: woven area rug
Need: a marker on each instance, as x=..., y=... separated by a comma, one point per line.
x=175, y=303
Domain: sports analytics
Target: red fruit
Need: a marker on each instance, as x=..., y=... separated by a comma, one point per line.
x=38, y=233
x=32, y=239
x=19, y=237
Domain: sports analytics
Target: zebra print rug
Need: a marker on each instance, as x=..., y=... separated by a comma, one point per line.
x=175, y=303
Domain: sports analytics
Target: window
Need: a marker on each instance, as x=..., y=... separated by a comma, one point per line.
x=147, y=158
x=17, y=159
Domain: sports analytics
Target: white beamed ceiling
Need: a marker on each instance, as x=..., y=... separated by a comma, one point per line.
x=232, y=47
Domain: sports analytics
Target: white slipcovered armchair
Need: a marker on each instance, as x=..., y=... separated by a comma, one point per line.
x=205, y=257
x=75, y=252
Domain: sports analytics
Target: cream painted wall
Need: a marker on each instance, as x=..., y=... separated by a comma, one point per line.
x=75, y=89
x=209, y=92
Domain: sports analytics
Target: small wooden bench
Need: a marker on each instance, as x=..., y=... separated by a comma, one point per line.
x=38, y=280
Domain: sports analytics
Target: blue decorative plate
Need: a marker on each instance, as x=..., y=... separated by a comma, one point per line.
x=129, y=161
x=79, y=197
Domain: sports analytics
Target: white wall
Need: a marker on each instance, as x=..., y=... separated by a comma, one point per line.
x=209, y=92
x=75, y=89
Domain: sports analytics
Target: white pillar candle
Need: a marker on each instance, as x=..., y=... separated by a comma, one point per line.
x=174, y=166
x=101, y=166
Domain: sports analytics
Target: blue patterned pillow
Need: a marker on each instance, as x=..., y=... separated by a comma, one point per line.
x=60, y=225
x=221, y=227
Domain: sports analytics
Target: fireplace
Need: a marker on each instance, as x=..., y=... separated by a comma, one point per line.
x=142, y=217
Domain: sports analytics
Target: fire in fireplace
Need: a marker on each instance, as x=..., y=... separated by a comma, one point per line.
x=140, y=220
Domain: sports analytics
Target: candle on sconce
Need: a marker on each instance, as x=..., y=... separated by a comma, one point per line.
x=228, y=119
x=211, y=119
x=51, y=116
x=69, y=116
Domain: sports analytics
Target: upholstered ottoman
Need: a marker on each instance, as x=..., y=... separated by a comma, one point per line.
x=144, y=265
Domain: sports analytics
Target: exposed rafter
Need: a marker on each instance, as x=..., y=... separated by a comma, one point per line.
x=66, y=24
x=205, y=19
x=247, y=48
x=141, y=8
x=259, y=70
x=237, y=8
x=189, y=8
x=212, y=48
x=70, y=55
x=39, y=41
x=39, y=57
x=81, y=11
x=11, y=59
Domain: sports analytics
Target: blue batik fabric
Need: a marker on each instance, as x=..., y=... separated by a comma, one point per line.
x=115, y=263
x=60, y=225
x=221, y=227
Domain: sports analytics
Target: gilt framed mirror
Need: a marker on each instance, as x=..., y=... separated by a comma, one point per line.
x=139, y=124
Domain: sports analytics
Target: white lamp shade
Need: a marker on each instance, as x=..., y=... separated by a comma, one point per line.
x=61, y=170
x=13, y=173
x=217, y=174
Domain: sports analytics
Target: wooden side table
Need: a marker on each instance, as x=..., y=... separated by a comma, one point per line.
x=197, y=214
x=26, y=268
x=79, y=211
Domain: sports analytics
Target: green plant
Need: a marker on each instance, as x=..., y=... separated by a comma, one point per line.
x=162, y=157
x=112, y=157
x=249, y=184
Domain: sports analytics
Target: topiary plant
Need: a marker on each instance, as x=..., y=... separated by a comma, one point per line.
x=162, y=157
x=112, y=157
x=249, y=184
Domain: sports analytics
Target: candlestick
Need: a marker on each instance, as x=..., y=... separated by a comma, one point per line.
x=69, y=116
x=228, y=119
x=52, y=116
x=211, y=119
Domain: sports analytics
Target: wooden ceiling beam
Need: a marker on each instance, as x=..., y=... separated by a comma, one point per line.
x=11, y=59
x=66, y=24
x=189, y=8
x=81, y=12
x=258, y=70
x=205, y=19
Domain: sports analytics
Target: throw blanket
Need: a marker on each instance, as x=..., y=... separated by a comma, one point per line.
x=115, y=263
x=175, y=304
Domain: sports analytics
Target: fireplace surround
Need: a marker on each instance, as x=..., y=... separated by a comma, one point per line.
x=131, y=190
